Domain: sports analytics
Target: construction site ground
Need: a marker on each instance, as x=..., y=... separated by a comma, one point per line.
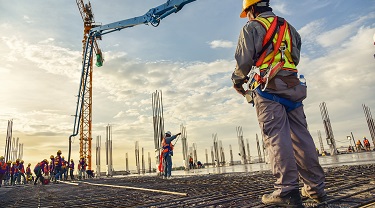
x=346, y=185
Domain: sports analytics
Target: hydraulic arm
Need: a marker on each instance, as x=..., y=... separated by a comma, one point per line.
x=153, y=16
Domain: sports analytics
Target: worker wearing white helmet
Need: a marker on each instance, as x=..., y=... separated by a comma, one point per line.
x=267, y=56
x=165, y=165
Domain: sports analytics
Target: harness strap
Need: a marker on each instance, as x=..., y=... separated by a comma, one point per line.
x=288, y=104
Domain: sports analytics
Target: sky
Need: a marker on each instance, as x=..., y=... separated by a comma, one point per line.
x=189, y=57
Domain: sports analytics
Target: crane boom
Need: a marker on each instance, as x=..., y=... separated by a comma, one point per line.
x=153, y=16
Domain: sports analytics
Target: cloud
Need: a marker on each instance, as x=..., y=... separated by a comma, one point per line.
x=281, y=7
x=221, y=44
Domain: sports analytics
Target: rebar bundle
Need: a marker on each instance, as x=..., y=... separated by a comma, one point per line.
x=370, y=122
x=241, y=144
x=158, y=122
x=328, y=129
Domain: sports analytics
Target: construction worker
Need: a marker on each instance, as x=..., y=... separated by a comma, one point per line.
x=51, y=167
x=167, y=153
x=264, y=44
x=191, y=163
x=359, y=145
x=8, y=174
x=3, y=169
x=38, y=170
x=367, y=144
x=64, y=168
x=29, y=176
x=58, y=165
x=21, y=168
x=13, y=173
x=71, y=167
x=82, y=168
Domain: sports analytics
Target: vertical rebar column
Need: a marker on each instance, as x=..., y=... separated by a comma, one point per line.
x=241, y=144
x=158, y=122
x=108, y=145
x=222, y=155
x=206, y=157
x=126, y=162
x=328, y=129
x=184, y=146
x=212, y=156
x=248, y=151
x=195, y=156
x=15, y=149
x=258, y=147
x=137, y=157
x=149, y=162
x=8, y=141
x=98, y=144
x=321, y=142
x=231, y=154
x=370, y=123
x=143, y=162
x=216, y=149
x=20, y=151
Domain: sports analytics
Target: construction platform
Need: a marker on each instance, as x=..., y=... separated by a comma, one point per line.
x=346, y=186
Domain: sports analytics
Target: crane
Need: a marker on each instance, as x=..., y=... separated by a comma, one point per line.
x=85, y=137
x=92, y=33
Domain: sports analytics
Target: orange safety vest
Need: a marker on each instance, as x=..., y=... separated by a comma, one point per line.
x=366, y=142
x=264, y=61
x=166, y=149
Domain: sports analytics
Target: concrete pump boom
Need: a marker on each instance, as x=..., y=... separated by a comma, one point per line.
x=153, y=16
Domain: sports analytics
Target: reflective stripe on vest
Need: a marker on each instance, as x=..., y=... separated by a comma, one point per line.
x=286, y=41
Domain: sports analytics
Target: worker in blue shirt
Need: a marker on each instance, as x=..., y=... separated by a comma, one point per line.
x=168, y=153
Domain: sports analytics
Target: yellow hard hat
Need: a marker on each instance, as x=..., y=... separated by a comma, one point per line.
x=1, y=157
x=9, y=162
x=22, y=161
x=29, y=164
x=51, y=157
x=59, y=152
x=246, y=4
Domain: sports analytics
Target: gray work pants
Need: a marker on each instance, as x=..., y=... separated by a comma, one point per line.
x=291, y=149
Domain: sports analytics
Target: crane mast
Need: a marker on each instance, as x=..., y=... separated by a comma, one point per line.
x=85, y=136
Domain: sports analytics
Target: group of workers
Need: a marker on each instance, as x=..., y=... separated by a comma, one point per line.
x=45, y=171
x=366, y=145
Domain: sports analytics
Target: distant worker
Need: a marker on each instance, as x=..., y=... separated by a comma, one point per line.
x=191, y=163
x=21, y=168
x=359, y=145
x=167, y=153
x=29, y=175
x=71, y=167
x=82, y=168
x=268, y=41
x=367, y=144
x=58, y=165
x=38, y=170
x=51, y=168
x=3, y=169
x=8, y=174
x=199, y=164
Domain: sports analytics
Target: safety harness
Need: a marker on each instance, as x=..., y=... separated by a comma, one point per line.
x=270, y=65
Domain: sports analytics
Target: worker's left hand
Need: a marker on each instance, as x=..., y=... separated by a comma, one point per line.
x=238, y=87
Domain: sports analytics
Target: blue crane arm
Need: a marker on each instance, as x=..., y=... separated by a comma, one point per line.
x=153, y=16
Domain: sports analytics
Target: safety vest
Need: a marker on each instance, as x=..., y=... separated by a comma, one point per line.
x=28, y=170
x=58, y=161
x=167, y=147
x=366, y=142
x=272, y=59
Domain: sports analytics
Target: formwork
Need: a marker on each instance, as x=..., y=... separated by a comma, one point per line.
x=346, y=186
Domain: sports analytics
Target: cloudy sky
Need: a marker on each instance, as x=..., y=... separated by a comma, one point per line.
x=189, y=57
